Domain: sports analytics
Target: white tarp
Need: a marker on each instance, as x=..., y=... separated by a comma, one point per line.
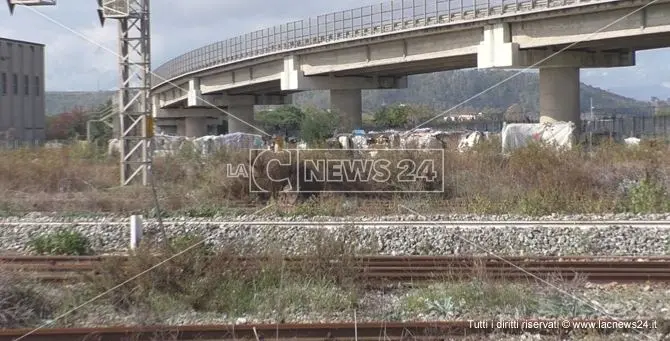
x=423, y=138
x=242, y=141
x=469, y=140
x=517, y=135
x=211, y=143
x=168, y=143
x=632, y=141
x=360, y=142
x=113, y=147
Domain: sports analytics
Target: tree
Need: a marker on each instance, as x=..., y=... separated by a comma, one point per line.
x=419, y=114
x=662, y=110
x=514, y=113
x=395, y=116
x=318, y=125
x=284, y=120
x=67, y=125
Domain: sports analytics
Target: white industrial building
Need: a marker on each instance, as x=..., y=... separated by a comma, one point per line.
x=22, y=103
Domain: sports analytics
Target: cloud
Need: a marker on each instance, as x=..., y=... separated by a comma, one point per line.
x=179, y=26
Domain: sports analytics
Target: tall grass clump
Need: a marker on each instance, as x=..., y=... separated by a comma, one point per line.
x=208, y=279
x=65, y=242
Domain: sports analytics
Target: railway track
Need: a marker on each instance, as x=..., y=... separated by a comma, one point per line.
x=329, y=331
x=664, y=224
x=396, y=269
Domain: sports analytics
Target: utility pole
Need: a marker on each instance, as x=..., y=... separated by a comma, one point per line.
x=593, y=125
x=135, y=121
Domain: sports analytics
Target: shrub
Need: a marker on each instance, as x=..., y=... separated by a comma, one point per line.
x=204, y=279
x=61, y=243
x=317, y=125
x=648, y=196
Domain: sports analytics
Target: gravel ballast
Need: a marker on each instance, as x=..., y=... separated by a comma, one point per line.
x=111, y=234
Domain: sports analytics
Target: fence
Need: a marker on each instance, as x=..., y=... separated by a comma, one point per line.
x=15, y=144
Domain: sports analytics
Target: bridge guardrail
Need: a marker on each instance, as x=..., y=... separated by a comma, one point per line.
x=390, y=16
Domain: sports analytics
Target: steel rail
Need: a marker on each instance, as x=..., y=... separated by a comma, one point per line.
x=375, y=269
x=416, y=223
x=327, y=331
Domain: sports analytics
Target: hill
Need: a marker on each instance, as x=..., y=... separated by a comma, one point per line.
x=444, y=90
x=62, y=101
x=441, y=90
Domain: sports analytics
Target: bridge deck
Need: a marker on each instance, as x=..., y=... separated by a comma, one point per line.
x=395, y=16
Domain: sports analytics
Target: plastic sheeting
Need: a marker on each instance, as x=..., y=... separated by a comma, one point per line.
x=469, y=140
x=420, y=140
x=242, y=141
x=209, y=144
x=360, y=142
x=169, y=143
x=166, y=144
x=517, y=135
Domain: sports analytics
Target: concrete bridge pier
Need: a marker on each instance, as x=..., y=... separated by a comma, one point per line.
x=559, y=96
x=345, y=91
x=559, y=73
x=348, y=104
x=243, y=120
x=193, y=127
x=241, y=117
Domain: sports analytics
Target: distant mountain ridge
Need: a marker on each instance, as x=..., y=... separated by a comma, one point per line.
x=63, y=101
x=446, y=90
x=441, y=90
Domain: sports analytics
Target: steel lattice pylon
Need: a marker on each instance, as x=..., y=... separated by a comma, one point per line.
x=135, y=123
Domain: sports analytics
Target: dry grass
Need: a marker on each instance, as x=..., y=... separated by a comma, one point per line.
x=21, y=304
x=535, y=181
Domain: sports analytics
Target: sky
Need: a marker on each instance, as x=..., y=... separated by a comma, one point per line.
x=89, y=63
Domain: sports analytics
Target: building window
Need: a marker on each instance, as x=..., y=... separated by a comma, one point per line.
x=26, y=85
x=4, y=83
x=37, y=85
x=15, y=84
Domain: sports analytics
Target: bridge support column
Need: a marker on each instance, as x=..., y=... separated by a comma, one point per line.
x=559, y=96
x=242, y=110
x=348, y=105
x=194, y=95
x=559, y=74
x=195, y=126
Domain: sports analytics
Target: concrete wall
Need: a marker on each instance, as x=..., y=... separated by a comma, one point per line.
x=22, y=104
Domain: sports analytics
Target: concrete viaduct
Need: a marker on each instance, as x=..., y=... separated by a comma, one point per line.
x=376, y=47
